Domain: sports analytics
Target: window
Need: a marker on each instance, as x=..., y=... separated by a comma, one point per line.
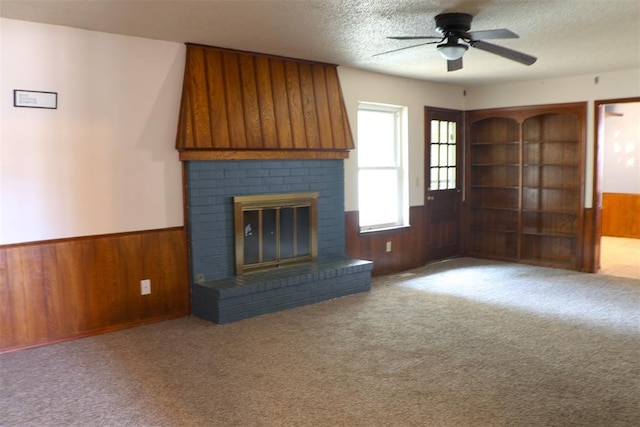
x=382, y=175
x=443, y=155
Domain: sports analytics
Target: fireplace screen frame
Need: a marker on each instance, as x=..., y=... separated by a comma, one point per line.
x=277, y=202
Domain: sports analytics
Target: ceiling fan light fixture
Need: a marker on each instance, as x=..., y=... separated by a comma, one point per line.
x=452, y=51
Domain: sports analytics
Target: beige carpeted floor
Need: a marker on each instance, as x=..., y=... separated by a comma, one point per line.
x=463, y=342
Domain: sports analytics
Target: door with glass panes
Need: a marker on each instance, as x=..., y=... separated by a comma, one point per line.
x=443, y=182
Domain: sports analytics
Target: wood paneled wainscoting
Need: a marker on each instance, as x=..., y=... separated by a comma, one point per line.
x=407, y=244
x=58, y=290
x=621, y=215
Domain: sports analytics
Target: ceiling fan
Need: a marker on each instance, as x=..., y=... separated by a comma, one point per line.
x=456, y=38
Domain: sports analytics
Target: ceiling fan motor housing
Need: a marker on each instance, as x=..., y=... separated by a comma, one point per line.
x=447, y=23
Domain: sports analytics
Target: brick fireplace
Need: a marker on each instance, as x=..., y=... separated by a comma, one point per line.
x=213, y=184
x=256, y=125
x=221, y=296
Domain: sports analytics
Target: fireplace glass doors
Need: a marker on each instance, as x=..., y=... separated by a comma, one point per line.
x=274, y=230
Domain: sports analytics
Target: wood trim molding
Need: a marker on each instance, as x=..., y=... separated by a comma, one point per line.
x=93, y=237
x=591, y=246
x=262, y=155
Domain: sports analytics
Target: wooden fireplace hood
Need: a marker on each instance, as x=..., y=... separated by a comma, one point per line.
x=240, y=105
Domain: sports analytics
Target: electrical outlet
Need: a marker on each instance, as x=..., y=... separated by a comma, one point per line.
x=145, y=287
x=388, y=248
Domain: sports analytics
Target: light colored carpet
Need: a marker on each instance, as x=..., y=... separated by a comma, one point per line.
x=463, y=342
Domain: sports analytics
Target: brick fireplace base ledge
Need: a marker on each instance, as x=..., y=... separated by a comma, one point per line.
x=241, y=297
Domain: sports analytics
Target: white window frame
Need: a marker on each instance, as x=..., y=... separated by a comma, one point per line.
x=400, y=149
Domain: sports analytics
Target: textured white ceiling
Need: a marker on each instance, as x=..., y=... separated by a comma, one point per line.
x=569, y=37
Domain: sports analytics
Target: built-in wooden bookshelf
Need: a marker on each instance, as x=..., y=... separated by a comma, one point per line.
x=525, y=194
x=495, y=187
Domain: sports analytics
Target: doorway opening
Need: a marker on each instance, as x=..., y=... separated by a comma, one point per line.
x=617, y=187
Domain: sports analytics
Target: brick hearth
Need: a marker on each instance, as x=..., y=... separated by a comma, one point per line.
x=211, y=186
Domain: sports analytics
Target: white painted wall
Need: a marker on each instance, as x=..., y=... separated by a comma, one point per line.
x=364, y=86
x=104, y=161
x=621, y=150
x=585, y=88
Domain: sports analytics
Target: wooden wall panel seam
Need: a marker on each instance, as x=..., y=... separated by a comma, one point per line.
x=252, y=121
x=235, y=107
x=335, y=114
x=201, y=125
x=309, y=108
x=292, y=77
x=266, y=103
x=218, y=114
x=322, y=106
x=281, y=104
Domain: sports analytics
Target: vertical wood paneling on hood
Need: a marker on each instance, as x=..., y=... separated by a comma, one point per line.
x=238, y=105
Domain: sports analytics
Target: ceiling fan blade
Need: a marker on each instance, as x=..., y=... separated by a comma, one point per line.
x=454, y=65
x=403, y=48
x=502, y=33
x=416, y=37
x=514, y=55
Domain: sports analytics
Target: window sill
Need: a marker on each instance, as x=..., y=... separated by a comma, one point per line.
x=378, y=230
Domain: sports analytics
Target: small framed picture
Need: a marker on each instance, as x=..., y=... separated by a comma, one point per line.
x=35, y=99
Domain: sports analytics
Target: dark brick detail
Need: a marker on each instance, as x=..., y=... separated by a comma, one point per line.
x=211, y=186
x=241, y=297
